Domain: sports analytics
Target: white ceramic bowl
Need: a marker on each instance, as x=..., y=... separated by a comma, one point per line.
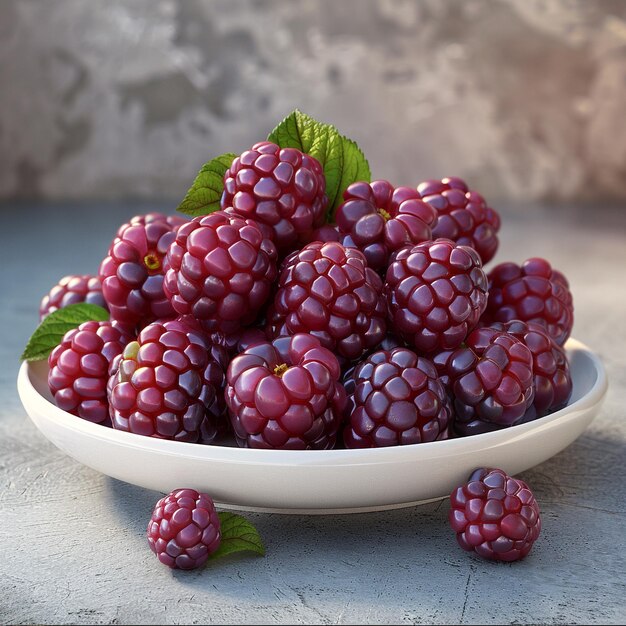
x=324, y=481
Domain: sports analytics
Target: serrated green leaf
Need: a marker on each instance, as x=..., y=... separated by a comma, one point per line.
x=355, y=167
x=238, y=535
x=50, y=332
x=332, y=160
x=342, y=160
x=205, y=193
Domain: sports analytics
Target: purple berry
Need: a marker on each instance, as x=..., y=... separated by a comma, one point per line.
x=132, y=272
x=436, y=293
x=79, y=368
x=552, y=381
x=169, y=384
x=532, y=292
x=491, y=380
x=72, y=290
x=281, y=188
x=379, y=219
x=398, y=399
x=221, y=269
x=328, y=291
x=495, y=516
x=285, y=394
x=462, y=215
x=184, y=529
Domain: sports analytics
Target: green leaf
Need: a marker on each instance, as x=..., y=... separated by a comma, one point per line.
x=49, y=333
x=238, y=535
x=342, y=160
x=355, y=167
x=204, y=194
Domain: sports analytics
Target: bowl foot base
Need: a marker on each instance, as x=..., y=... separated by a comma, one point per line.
x=342, y=511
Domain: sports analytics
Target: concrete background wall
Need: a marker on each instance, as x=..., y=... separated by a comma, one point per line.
x=119, y=99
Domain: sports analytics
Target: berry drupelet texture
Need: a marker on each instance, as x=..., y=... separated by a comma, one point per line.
x=184, y=529
x=533, y=292
x=389, y=342
x=462, y=215
x=398, y=399
x=491, y=380
x=378, y=219
x=281, y=188
x=79, y=368
x=552, y=381
x=325, y=233
x=72, y=290
x=169, y=384
x=495, y=516
x=285, y=394
x=328, y=290
x=132, y=272
x=435, y=293
x=239, y=341
x=221, y=269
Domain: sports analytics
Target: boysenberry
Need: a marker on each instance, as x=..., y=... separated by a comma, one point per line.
x=132, y=272
x=72, y=290
x=330, y=292
x=398, y=399
x=281, y=188
x=221, y=269
x=533, y=292
x=462, y=215
x=79, y=368
x=495, y=516
x=184, y=529
x=435, y=292
x=378, y=219
x=285, y=394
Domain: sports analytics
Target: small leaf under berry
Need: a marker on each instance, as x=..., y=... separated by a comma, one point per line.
x=342, y=160
x=205, y=193
x=49, y=333
x=238, y=535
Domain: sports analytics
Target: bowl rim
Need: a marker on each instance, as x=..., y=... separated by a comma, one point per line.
x=34, y=401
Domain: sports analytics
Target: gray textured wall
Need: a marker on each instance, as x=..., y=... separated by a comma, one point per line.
x=525, y=98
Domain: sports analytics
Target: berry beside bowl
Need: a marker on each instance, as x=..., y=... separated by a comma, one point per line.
x=316, y=481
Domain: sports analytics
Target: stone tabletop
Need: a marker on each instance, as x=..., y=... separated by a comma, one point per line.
x=73, y=541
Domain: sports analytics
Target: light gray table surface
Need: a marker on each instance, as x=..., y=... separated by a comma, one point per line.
x=73, y=541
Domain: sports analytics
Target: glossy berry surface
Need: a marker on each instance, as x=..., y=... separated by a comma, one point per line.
x=79, y=368
x=325, y=233
x=435, y=294
x=495, y=516
x=462, y=215
x=491, y=379
x=398, y=399
x=533, y=292
x=328, y=290
x=72, y=290
x=285, y=394
x=552, y=381
x=169, y=384
x=184, y=529
x=378, y=219
x=389, y=342
x=281, y=188
x=132, y=272
x=239, y=341
x=221, y=269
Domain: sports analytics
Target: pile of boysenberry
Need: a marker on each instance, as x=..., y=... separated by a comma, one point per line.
x=263, y=323
x=286, y=318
